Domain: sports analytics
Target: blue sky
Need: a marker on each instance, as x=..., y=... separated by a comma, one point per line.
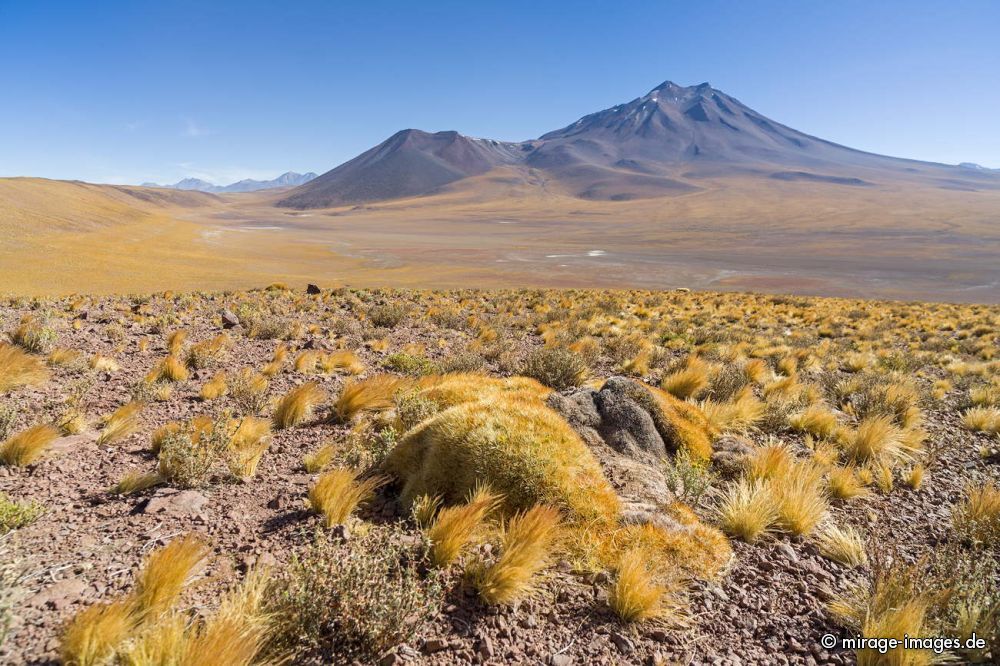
x=132, y=91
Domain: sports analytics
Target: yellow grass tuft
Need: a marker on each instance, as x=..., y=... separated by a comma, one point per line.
x=915, y=477
x=636, y=595
x=455, y=526
x=235, y=635
x=687, y=545
x=162, y=643
x=689, y=381
x=342, y=360
x=801, y=498
x=747, y=509
x=306, y=362
x=682, y=425
x=892, y=607
x=525, y=548
x=816, y=420
x=19, y=369
x=27, y=446
x=134, y=482
x=166, y=572
x=982, y=419
x=877, y=438
x=121, y=423
x=733, y=416
x=770, y=461
x=977, y=517
x=62, y=356
x=214, y=388
x=170, y=369
x=843, y=483
x=247, y=445
x=93, y=634
x=424, y=510
x=639, y=365
x=841, y=544
x=297, y=405
x=103, y=363
x=205, y=353
x=338, y=492
x=320, y=458
x=175, y=341
x=756, y=370
x=783, y=389
x=370, y=395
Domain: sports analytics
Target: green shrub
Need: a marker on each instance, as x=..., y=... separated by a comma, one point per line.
x=351, y=600
x=17, y=514
x=388, y=315
x=558, y=368
x=408, y=364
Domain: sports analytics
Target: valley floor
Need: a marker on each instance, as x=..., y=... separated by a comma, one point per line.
x=892, y=242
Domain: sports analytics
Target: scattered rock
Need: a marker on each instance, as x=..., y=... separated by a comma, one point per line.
x=622, y=642
x=72, y=442
x=175, y=502
x=435, y=645
x=787, y=551
x=229, y=319
x=58, y=595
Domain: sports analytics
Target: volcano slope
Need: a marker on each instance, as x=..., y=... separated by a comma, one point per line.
x=541, y=476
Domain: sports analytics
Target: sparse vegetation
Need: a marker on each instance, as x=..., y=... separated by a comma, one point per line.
x=525, y=549
x=805, y=427
x=14, y=515
x=455, y=526
x=747, y=509
x=555, y=367
x=297, y=405
x=354, y=599
x=27, y=446
x=121, y=423
x=338, y=492
x=19, y=369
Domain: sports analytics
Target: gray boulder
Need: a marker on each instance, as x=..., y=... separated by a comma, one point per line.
x=627, y=427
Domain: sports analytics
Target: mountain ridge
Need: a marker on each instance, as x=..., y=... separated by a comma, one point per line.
x=663, y=143
x=287, y=179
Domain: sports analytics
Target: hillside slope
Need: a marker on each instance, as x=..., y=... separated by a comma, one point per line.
x=39, y=204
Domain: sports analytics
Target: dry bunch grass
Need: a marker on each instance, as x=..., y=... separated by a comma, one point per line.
x=525, y=549
x=338, y=492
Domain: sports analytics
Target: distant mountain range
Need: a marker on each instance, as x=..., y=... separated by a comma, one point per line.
x=665, y=143
x=287, y=179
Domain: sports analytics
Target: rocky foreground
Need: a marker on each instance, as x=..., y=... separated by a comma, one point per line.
x=637, y=416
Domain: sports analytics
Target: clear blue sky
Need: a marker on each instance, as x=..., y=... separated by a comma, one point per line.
x=111, y=91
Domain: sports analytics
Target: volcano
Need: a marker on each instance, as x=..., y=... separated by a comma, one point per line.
x=661, y=144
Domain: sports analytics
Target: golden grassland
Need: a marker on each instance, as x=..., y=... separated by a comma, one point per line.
x=834, y=405
x=503, y=229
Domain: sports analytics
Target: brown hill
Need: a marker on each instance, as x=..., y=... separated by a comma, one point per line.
x=408, y=163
